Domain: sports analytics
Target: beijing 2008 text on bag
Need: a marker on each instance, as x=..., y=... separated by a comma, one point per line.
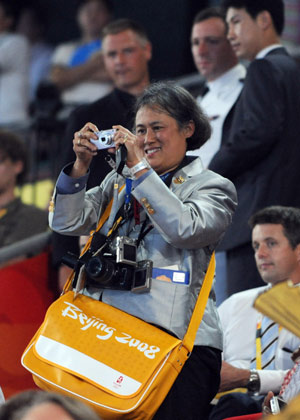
x=120, y=365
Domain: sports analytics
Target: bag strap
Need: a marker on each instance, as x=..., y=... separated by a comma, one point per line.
x=197, y=315
x=101, y=222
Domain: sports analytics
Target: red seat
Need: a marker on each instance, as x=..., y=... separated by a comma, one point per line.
x=246, y=417
x=24, y=297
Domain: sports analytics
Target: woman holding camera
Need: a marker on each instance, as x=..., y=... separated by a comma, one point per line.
x=176, y=212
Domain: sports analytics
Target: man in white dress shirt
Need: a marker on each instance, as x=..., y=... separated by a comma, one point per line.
x=217, y=63
x=276, y=244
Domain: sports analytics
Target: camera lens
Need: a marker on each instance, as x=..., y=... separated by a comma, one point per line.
x=101, y=270
x=107, y=140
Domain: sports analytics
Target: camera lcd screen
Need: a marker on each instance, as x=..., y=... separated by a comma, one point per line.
x=140, y=277
x=129, y=252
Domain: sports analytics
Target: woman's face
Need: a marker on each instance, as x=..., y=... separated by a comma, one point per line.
x=161, y=139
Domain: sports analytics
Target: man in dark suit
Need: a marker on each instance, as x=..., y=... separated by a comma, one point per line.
x=126, y=52
x=261, y=153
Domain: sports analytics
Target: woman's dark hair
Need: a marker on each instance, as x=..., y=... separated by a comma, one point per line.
x=16, y=407
x=288, y=217
x=178, y=103
x=12, y=147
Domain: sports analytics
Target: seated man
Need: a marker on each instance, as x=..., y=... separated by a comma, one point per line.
x=257, y=352
x=17, y=220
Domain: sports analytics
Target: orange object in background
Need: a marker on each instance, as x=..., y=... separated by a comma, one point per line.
x=25, y=294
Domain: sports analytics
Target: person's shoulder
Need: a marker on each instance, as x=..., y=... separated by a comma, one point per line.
x=62, y=52
x=240, y=298
x=92, y=108
x=67, y=45
x=14, y=40
x=213, y=178
x=202, y=179
x=275, y=57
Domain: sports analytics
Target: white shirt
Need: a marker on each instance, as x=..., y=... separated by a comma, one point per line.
x=87, y=91
x=222, y=95
x=14, y=78
x=239, y=322
x=262, y=53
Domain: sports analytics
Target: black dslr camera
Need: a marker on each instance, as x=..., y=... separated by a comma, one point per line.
x=118, y=271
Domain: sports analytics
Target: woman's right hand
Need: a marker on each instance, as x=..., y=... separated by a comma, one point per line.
x=84, y=149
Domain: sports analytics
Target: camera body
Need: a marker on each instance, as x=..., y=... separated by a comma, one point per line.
x=276, y=404
x=105, y=139
x=117, y=271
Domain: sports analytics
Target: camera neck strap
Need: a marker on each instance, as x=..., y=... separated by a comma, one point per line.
x=130, y=208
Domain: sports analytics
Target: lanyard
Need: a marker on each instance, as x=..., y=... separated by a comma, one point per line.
x=123, y=215
x=127, y=204
x=258, y=344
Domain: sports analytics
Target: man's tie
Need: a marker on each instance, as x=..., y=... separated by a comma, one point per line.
x=204, y=89
x=266, y=342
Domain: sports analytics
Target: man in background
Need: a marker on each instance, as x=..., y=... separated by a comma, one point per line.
x=17, y=220
x=218, y=64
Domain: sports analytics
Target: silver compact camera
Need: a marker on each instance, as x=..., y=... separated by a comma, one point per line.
x=105, y=139
x=126, y=250
x=276, y=404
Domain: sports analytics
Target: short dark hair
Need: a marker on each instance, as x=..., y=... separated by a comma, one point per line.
x=20, y=404
x=210, y=12
x=108, y=4
x=177, y=102
x=13, y=148
x=11, y=10
x=288, y=217
x=120, y=25
x=254, y=7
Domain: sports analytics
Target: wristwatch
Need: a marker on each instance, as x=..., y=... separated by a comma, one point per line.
x=143, y=164
x=253, y=384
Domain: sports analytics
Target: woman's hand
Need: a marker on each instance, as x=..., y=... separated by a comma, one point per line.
x=135, y=152
x=84, y=149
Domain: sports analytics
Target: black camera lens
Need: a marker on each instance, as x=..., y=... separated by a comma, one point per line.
x=99, y=269
x=103, y=271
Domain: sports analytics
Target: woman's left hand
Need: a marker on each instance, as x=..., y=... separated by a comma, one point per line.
x=135, y=152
